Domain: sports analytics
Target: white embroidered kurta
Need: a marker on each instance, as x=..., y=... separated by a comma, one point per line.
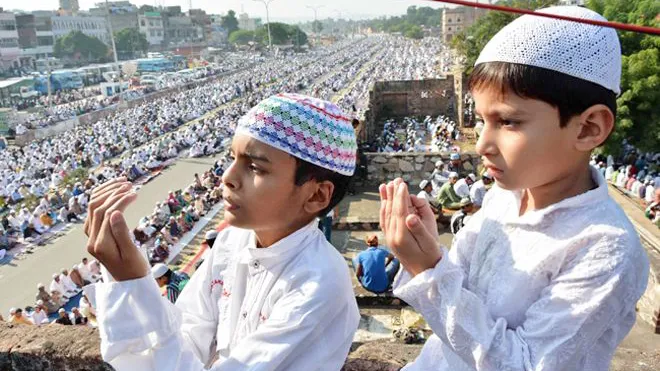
x=287, y=307
x=553, y=289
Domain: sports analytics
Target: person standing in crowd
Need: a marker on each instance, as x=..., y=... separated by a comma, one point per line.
x=375, y=267
x=16, y=317
x=546, y=276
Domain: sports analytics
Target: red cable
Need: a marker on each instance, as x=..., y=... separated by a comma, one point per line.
x=617, y=25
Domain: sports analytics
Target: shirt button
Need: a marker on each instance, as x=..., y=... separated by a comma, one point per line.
x=255, y=264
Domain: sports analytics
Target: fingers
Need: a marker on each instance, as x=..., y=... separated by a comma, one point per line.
x=388, y=206
x=382, y=190
x=425, y=239
x=97, y=215
x=400, y=209
x=421, y=207
x=99, y=196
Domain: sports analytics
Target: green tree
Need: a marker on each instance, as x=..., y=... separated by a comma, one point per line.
x=414, y=32
x=317, y=26
x=241, y=37
x=638, y=106
x=229, y=22
x=77, y=45
x=281, y=34
x=129, y=41
x=470, y=42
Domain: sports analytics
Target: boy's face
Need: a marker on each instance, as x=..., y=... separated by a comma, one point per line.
x=259, y=191
x=522, y=144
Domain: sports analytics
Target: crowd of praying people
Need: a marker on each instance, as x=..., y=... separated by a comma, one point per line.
x=637, y=173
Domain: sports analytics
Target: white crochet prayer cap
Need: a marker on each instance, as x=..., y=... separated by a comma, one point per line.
x=588, y=52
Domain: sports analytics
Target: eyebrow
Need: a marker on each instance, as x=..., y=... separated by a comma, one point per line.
x=252, y=156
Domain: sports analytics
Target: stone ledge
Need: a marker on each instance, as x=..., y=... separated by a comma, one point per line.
x=52, y=347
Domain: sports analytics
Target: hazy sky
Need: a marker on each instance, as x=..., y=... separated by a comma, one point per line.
x=279, y=9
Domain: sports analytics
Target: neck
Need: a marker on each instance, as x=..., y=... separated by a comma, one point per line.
x=560, y=189
x=267, y=238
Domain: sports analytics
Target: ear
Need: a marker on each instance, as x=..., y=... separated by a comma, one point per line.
x=595, y=125
x=319, y=197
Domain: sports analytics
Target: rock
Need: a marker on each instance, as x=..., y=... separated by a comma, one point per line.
x=393, y=160
x=418, y=167
x=391, y=167
x=381, y=355
x=429, y=166
x=419, y=159
x=406, y=166
x=371, y=168
x=379, y=159
x=406, y=177
x=410, y=318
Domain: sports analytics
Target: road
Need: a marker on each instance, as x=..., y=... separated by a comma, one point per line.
x=19, y=278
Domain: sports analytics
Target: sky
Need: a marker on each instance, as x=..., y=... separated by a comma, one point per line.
x=280, y=10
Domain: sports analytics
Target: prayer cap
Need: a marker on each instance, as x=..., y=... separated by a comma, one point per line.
x=588, y=52
x=439, y=163
x=55, y=275
x=454, y=156
x=472, y=177
x=61, y=310
x=158, y=270
x=423, y=184
x=211, y=235
x=453, y=174
x=465, y=201
x=313, y=130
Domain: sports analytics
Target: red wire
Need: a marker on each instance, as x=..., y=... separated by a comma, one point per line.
x=617, y=25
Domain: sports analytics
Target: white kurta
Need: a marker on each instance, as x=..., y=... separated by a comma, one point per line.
x=554, y=289
x=287, y=307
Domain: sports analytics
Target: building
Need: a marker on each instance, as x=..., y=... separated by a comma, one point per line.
x=123, y=14
x=571, y=2
x=69, y=7
x=180, y=29
x=9, y=48
x=151, y=24
x=89, y=25
x=247, y=23
x=456, y=20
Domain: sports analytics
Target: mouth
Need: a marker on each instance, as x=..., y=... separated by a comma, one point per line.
x=493, y=171
x=230, y=205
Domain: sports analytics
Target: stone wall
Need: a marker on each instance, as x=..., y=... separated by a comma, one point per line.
x=412, y=167
x=408, y=98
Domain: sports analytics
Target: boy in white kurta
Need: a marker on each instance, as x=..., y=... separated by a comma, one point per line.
x=273, y=294
x=546, y=275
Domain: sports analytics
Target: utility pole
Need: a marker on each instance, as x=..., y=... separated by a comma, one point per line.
x=114, y=48
x=315, y=9
x=266, y=3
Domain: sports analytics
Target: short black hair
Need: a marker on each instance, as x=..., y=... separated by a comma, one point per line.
x=306, y=171
x=570, y=95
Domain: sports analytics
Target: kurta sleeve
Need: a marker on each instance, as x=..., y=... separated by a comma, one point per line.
x=595, y=288
x=305, y=331
x=141, y=330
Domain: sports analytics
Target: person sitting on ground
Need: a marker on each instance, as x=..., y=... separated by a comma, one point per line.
x=425, y=193
x=68, y=283
x=375, y=267
x=478, y=190
x=173, y=203
x=174, y=281
x=198, y=186
x=440, y=176
x=88, y=310
x=67, y=216
x=63, y=318
x=461, y=217
x=161, y=251
x=77, y=318
x=456, y=165
x=462, y=186
x=57, y=286
x=652, y=211
x=200, y=208
x=17, y=318
x=182, y=220
x=85, y=272
x=40, y=316
x=447, y=197
x=77, y=278
x=174, y=228
x=75, y=206
x=46, y=299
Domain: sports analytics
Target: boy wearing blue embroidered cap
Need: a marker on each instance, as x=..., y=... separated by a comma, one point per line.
x=545, y=276
x=273, y=293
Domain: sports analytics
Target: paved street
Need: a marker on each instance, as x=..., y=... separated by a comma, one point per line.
x=19, y=278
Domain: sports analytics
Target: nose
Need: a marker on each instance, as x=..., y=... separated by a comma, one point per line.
x=229, y=178
x=486, y=145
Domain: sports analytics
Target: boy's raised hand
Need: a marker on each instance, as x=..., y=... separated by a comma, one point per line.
x=409, y=226
x=109, y=236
